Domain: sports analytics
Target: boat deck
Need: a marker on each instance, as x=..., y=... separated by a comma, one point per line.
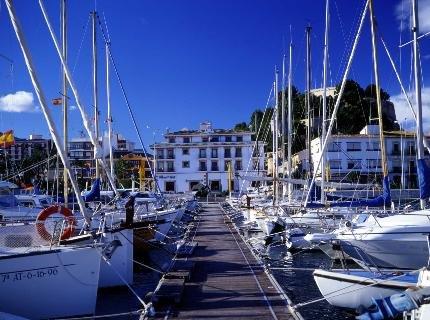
x=228, y=282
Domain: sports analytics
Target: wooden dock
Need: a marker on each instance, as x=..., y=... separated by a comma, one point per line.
x=227, y=281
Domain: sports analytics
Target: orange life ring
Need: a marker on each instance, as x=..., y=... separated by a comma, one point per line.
x=45, y=213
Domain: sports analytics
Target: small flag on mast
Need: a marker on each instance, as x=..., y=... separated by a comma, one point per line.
x=57, y=101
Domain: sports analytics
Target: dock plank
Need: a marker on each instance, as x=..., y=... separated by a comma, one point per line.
x=223, y=285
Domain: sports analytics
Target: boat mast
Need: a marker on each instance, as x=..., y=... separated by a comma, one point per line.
x=308, y=97
x=95, y=93
x=109, y=112
x=64, y=98
x=417, y=75
x=86, y=122
x=290, y=121
x=275, y=140
x=324, y=97
x=378, y=91
x=339, y=97
x=44, y=106
x=283, y=154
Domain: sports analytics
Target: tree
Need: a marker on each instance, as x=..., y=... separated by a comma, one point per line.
x=370, y=92
x=242, y=126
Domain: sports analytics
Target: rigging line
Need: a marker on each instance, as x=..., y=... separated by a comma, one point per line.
x=130, y=110
x=256, y=140
x=81, y=45
x=106, y=26
x=409, y=42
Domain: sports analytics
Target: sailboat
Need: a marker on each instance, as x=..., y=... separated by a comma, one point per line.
x=32, y=273
x=398, y=241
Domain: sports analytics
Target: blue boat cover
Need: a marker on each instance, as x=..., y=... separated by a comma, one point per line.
x=382, y=200
x=424, y=179
x=94, y=193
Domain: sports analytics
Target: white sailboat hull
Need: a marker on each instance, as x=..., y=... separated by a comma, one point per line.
x=355, y=289
x=119, y=267
x=50, y=283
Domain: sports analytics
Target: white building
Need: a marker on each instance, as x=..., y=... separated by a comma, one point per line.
x=189, y=157
x=361, y=154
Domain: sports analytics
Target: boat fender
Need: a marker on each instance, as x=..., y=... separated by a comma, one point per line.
x=47, y=212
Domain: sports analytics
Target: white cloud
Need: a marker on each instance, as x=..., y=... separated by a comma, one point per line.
x=20, y=101
x=73, y=108
x=403, y=12
x=404, y=114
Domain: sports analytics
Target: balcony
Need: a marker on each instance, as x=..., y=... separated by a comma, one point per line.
x=170, y=170
x=170, y=156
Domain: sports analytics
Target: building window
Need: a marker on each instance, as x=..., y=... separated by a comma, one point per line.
x=228, y=139
x=170, y=154
x=239, y=139
x=185, y=151
x=202, y=153
x=215, y=185
x=238, y=165
x=354, y=164
x=214, y=153
x=255, y=164
x=373, y=163
x=160, y=153
x=169, y=186
x=397, y=166
x=214, y=166
x=335, y=164
x=353, y=146
x=187, y=139
x=170, y=167
x=202, y=166
x=227, y=153
x=215, y=139
x=171, y=139
x=373, y=146
x=411, y=148
x=160, y=166
x=333, y=147
x=396, y=148
x=185, y=164
x=238, y=152
x=226, y=164
x=205, y=139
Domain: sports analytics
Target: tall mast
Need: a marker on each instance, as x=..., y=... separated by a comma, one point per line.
x=44, y=106
x=308, y=97
x=324, y=116
x=95, y=93
x=378, y=91
x=64, y=98
x=417, y=74
x=109, y=112
x=290, y=121
x=275, y=140
x=283, y=125
x=339, y=96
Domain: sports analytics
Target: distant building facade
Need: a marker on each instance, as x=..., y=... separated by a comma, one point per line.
x=23, y=148
x=190, y=157
x=361, y=154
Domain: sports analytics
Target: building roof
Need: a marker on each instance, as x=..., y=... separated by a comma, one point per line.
x=187, y=132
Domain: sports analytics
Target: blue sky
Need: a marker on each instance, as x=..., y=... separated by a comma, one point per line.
x=183, y=62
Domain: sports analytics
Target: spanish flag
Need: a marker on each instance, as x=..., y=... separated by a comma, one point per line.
x=57, y=101
x=7, y=139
